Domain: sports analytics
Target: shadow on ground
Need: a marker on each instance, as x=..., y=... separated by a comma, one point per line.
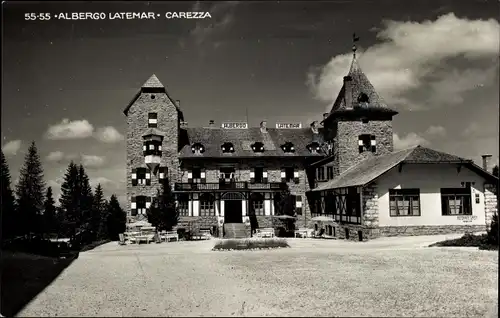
x=24, y=276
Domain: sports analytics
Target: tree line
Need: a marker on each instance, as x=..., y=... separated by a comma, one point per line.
x=29, y=210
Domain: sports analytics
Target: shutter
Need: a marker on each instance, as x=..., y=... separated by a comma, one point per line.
x=264, y=176
x=148, y=202
x=203, y=176
x=252, y=175
x=133, y=207
x=162, y=173
x=361, y=146
x=134, y=177
x=148, y=178
x=145, y=148
x=190, y=177
x=296, y=176
x=298, y=204
x=283, y=175
x=373, y=143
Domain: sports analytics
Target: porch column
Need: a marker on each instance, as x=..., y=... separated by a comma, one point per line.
x=190, y=204
x=196, y=204
x=222, y=208
x=244, y=208
x=267, y=204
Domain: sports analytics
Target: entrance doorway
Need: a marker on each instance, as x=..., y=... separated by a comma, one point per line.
x=233, y=207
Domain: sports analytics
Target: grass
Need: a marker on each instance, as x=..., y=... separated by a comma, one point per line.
x=468, y=240
x=250, y=244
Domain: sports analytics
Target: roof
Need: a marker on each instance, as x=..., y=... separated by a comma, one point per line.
x=213, y=138
x=152, y=85
x=370, y=169
x=360, y=84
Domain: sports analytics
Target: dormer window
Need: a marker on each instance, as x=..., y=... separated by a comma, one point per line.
x=152, y=148
x=258, y=147
x=288, y=147
x=367, y=142
x=227, y=147
x=153, y=120
x=363, y=100
x=198, y=148
x=314, y=147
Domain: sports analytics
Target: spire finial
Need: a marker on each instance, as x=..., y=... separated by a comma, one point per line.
x=355, y=39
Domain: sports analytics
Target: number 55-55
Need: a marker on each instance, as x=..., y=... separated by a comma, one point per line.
x=36, y=16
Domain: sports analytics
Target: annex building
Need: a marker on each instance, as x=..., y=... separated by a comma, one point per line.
x=342, y=171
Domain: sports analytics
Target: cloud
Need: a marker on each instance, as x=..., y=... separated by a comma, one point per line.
x=55, y=156
x=420, y=65
x=207, y=29
x=12, y=147
x=435, y=131
x=108, y=134
x=92, y=161
x=410, y=140
x=103, y=181
x=66, y=129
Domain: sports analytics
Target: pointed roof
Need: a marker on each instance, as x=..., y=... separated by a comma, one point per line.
x=359, y=84
x=153, y=82
x=370, y=169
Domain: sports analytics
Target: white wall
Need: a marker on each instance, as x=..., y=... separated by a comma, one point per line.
x=429, y=178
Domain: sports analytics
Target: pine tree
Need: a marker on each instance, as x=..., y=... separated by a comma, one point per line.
x=163, y=213
x=495, y=171
x=86, y=199
x=99, y=214
x=49, y=213
x=284, y=205
x=30, y=191
x=117, y=219
x=70, y=201
x=10, y=222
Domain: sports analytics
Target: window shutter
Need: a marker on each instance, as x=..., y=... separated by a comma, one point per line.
x=264, y=176
x=133, y=207
x=203, y=176
x=361, y=146
x=148, y=178
x=134, y=177
x=162, y=173
x=298, y=204
x=296, y=176
x=145, y=148
x=148, y=202
x=190, y=177
x=373, y=143
x=252, y=175
x=283, y=175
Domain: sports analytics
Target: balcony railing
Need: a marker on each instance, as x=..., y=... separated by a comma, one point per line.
x=214, y=186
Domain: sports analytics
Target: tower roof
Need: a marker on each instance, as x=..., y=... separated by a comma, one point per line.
x=153, y=82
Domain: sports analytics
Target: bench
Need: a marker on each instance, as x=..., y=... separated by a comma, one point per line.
x=303, y=233
x=166, y=236
x=265, y=232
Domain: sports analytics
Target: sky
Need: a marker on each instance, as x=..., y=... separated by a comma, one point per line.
x=65, y=83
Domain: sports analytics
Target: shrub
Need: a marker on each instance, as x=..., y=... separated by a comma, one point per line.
x=250, y=244
x=469, y=240
x=493, y=231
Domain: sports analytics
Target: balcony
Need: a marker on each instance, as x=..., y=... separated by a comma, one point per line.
x=222, y=186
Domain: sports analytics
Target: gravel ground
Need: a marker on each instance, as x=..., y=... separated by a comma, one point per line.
x=384, y=277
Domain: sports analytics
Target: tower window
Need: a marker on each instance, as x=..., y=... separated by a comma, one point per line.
x=258, y=147
x=363, y=100
x=198, y=148
x=152, y=148
x=320, y=174
x=227, y=147
x=288, y=147
x=141, y=176
x=367, y=142
x=139, y=205
x=314, y=147
x=153, y=120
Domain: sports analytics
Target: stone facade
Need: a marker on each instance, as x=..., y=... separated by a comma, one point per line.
x=429, y=230
x=490, y=202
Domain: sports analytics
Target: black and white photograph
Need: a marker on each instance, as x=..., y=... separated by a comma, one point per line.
x=250, y=158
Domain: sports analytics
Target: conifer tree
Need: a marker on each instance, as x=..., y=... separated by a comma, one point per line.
x=99, y=214
x=495, y=171
x=86, y=199
x=30, y=192
x=163, y=213
x=70, y=201
x=116, y=220
x=10, y=222
x=49, y=213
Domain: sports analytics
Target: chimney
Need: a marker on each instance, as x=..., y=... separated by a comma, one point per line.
x=263, y=126
x=178, y=103
x=486, y=162
x=348, y=92
x=211, y=123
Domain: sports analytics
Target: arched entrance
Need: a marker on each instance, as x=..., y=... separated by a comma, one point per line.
x=233, y=207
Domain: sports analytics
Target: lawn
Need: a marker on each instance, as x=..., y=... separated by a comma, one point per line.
x=312, y=278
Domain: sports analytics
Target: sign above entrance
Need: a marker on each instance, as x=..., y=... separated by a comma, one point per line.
x=288, y=125
x=234, y=125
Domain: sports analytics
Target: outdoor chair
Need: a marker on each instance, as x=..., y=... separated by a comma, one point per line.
x=122, y=239
x=170, y=235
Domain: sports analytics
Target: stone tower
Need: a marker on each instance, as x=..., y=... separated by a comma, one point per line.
x=153, y=130
x=359, y=124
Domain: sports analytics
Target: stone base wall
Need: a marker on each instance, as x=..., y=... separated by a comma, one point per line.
x=429, y=230
x=490, y=202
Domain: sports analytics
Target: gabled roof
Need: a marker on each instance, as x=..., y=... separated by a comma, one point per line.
x=359, y=84
x=242, y=139
x=370, y=169
x=152, y=85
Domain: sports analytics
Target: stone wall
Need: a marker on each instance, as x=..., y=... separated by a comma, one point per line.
x=370, y=206
x=490, y=203
x=428, y=230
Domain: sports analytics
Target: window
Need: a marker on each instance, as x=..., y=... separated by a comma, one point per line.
x=330, y=203
x=152, y=120
x=257, y=175
x=314, y=147
x=257, y=204
x=152, y=148
x=197, y=175
x=183, y=205
x=288, y=147
x=289, y=174
x=456, y=201
x=139, y=205
x=404, y=202
x=162, y=173
x=197, y=148
x=207, y=205
x=141, y=176
x=258, y=147
x=227, y=173
x=329, y=173
x=227, y=147
x=367, y=143
x=320, y=174
x=363, y=100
